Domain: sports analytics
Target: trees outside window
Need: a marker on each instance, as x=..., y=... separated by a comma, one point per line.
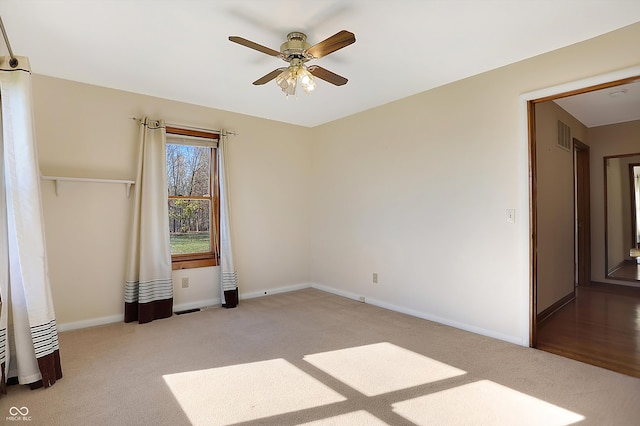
x=193, y=206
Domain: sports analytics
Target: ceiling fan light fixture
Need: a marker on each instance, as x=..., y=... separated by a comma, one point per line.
x=306, y=80
x=291, y=89
x=289, y=79
x=282, y=79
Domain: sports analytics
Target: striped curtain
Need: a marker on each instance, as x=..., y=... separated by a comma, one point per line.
x=148, y=286
x=28, y=334
x=229, y=275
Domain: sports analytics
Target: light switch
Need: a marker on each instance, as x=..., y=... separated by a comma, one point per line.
x=511, y=215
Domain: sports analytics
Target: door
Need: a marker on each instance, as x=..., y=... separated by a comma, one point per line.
x=582, y=211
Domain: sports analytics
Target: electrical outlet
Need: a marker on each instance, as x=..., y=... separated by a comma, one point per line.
x=185, y=282
x=362, y=299
x=375, y=278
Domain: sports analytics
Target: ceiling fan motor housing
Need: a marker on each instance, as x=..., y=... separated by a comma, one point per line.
x=295, y=47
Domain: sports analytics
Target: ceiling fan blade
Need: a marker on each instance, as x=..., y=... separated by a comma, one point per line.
x=267, y=78
x=333, y=43
x=326, y=75
x=255, y=46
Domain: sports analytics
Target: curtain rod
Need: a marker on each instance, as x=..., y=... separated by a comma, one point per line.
x=13, y=62
x=182, y=126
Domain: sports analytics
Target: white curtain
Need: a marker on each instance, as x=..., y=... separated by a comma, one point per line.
x=229, y=275
x=149, y=287
x=28, y=338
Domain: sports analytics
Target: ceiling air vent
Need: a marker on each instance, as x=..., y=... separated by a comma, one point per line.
x=564, y=136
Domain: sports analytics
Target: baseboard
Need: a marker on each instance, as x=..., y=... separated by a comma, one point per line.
x=76, y=325
x=198, y=304
x=338, y=292
x=616, y=283
x=93, y=322
x=632, y=287
x=276, y=290
x=241, y=296
x=622, y=264
x=250, y=295
x=553, y=308
x=179, y=307
x=424, y=315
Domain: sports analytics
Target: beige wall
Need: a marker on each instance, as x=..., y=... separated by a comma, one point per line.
x=555, y=204
x=85, y=131
x=417, y=190
x=605, y=141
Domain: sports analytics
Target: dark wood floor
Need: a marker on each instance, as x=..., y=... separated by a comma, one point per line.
x=628, y=270
x=600, y=327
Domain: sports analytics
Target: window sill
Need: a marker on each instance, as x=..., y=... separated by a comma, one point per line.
x=193, y=262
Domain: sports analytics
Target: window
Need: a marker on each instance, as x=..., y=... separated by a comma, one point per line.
x=192, y=188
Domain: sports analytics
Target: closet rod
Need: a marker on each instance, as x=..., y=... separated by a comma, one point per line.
x=13, y=61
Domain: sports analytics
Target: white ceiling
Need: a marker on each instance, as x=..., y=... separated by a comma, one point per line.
x=606, y=106
x=180, y=49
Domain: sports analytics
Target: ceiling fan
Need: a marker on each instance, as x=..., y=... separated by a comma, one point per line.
x=297, y=51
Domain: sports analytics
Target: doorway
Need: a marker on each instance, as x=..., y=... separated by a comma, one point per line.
x=582, y=240
x=599, y=312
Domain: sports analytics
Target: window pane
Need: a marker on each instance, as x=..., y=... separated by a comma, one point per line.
x=189, y=226
x=188, y=170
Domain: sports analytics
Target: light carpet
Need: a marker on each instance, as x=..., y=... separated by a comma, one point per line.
x=313, y=358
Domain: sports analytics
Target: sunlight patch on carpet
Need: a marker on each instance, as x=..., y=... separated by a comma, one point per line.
x=356, y=418
x=483, y=402
x=381, y=367
x=246, y=392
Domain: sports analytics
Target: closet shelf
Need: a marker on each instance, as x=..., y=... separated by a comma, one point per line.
x=59, y=179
